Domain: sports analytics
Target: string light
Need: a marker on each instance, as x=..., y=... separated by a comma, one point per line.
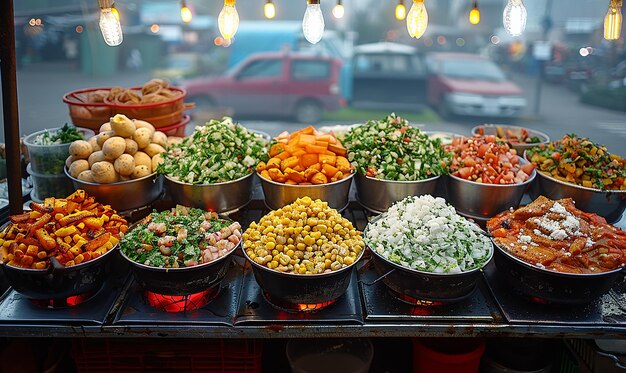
x=269, y=10
x=185, y=12
x=613, y=20
x=417, y=19
x=313, y=22
x=400, y=11
x=338, y=10
x=109, y=24
x=514, y=17
x=228, y=20
x=474, y=14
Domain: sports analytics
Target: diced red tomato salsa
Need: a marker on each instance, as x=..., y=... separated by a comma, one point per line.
x=484, y=160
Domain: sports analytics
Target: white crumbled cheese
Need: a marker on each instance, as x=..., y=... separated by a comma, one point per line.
x=558, y=234
x=525, y=238
x=558, y=208
x=524, y=247
x=589, y=242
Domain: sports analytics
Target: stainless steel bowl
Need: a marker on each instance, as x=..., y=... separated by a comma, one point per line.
x=123, y=195
x=278, y=195
x=223, y=197
x=490, y=129
x=378, y=195
x=608, y=204
x=485, y=200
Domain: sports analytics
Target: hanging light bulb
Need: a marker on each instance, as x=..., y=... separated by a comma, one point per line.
x=228, y=20
x=313, y=22
x=474, y=14
x=269, y=10
x=400, y=11
x=115, y=12
x=109, y=25
x=514, y=17
x=338, y=10
x=613, y=20
x=185, y=12
x=417, y=19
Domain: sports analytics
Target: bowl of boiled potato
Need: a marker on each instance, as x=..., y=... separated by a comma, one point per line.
x=117, y=166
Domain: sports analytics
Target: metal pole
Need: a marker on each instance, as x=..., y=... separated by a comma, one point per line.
x=9, y=105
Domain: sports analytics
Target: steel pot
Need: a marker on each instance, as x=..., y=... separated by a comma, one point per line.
x=58, y=281
x=378, y=195
x=420, y=285
x=551, y=286
x=180, y=281
x=294, y=288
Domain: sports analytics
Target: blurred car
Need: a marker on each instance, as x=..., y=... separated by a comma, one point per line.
x=469, y=84
x=179, y=66
x=285, y=84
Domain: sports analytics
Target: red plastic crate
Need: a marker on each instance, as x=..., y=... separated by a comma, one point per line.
x=167, y=355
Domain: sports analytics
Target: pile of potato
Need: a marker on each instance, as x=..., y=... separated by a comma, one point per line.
x=124, y=149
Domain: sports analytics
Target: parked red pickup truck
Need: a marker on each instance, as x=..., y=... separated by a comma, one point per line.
x=285, y=84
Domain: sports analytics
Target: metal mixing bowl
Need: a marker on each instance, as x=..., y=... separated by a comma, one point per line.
x=223, y=197
x=123, y=195
x=378, y=195
x=278, y=195
x=485, y=200
x=490, y=129
x=608, y=204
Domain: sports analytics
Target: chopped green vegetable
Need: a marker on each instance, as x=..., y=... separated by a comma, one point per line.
x=65, y=135
x=426, y=234
x=217, y=152
x=183, y=237
x=390, y=149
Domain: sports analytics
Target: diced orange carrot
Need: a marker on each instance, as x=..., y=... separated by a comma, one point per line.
x=328, y=152
x=276, y=149
x=265, y=174
x=306, y=139
x=315, y=149
x=309, y=173
x=343, y=165
x=307, y=130
x=284, y=155
x=261, y=166
x=273, y=163
x=319, y=178
x=294, y=175
x=329, y=170
x=317, y=166
x=337, y=149
x=276, y=175
x=327, y=137
x=290, y=162
x=329, y=159
x=299, y=153
x=290, y=182
x=308, y=159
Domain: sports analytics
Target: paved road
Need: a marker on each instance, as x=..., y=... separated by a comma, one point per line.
x=41, y=88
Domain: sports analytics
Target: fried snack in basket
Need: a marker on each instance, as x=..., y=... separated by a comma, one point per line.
x=153, y=86
x=128, y=96
x=114, y=92
x=98, y=96
x=152, y=98
x=74, y=230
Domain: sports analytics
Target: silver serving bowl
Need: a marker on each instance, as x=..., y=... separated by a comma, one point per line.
x=608, y=204
x=222, y=198
x=491, y=129
x=378, y=195
x=485, y=200
x=123, y=195
x=278, y=195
